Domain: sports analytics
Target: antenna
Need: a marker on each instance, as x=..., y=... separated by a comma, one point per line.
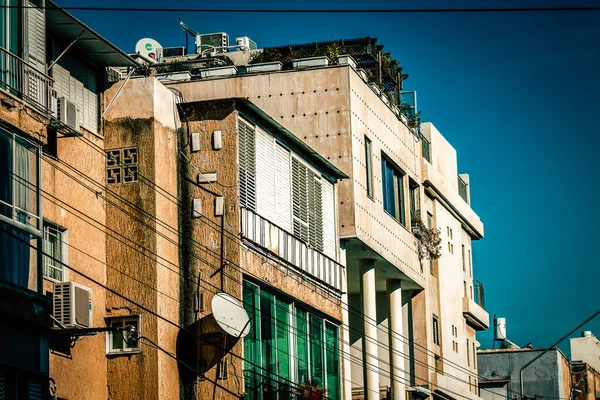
x=230, y=315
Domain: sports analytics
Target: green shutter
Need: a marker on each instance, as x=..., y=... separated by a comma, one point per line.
x=302, y=346
x=332, y=355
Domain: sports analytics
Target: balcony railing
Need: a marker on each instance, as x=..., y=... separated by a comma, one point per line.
x=478, y=293
x=291, y=249
x=23, y=80
x=426, y=148
x=462, y=189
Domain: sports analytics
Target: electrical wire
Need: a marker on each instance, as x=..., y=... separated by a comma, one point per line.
x=325, y=10
x=343, y=342
x=460, y=368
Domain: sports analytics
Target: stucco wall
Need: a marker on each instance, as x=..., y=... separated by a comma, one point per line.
x=70, y=201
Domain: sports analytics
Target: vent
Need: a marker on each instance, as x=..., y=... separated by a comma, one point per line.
x=72, y=304
x=68, y=113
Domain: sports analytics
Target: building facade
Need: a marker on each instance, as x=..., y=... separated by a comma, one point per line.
x=132, y=208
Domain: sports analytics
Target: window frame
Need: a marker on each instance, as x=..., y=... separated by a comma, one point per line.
x=110, y=350
x=435, y=328
x=295, y=308
x=369, y=167
x=17, y=213
x=398, y=193
x=63, y=251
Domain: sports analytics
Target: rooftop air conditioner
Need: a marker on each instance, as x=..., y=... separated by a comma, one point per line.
x=219, y=41
x=246, y=43
x=72, y=304
x=68, y=113
x=167, y=52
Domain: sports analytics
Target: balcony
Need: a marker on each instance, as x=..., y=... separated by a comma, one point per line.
x=23, y=80
x=473, y=311
x=291, y=249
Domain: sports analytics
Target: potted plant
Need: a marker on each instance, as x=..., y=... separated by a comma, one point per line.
x=311, y=390
x=346, y=59
x=310, y=62
x=270, y=66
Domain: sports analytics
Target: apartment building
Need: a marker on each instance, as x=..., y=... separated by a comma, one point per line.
x=408, y=321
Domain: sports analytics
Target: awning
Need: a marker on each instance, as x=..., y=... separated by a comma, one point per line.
x=90, y=44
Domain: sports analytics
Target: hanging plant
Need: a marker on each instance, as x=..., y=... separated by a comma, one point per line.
x=429, y=240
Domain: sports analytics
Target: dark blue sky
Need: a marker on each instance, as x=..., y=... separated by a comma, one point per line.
x=516, y=94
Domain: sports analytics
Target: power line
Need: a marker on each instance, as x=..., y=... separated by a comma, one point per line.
x=328, y=10
x=350, y=309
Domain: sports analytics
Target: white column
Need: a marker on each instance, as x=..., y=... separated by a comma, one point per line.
x=370, y=357
x=395, y=329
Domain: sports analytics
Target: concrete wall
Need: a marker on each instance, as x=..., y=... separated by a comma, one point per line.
x=586, y=349
x=548, y=376
x=70, y=182
x=142, y=253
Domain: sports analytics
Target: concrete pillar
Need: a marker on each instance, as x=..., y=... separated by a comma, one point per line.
x=370, y=357
x=395, y=329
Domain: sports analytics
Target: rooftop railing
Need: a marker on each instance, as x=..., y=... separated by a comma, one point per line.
x=479, y=295
x=462, y=189
x=22, y=79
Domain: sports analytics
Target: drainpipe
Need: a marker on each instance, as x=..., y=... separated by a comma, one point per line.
x=550, y=348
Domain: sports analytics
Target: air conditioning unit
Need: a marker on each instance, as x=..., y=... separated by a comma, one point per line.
x=72, y=304
x=68, y=113
x=218, y=40
x=246, y=43
x=167, y=52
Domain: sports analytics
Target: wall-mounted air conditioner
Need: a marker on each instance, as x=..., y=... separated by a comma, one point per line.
x=72, y=304
x=68, y=113
x=217, y=40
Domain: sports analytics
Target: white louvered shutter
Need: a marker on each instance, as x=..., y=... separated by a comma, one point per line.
x=300, y=200
x=36, y=49
x=247, y=167
x=329, y=239
x=283, y=194
x=265, y=175
x=315, y=211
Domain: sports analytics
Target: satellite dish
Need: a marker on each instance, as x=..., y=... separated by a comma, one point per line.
x=148, y=48
x=231, y=316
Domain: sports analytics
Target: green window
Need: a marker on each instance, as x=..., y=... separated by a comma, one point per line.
x=287, y=345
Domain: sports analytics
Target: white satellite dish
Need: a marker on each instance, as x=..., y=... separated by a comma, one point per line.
x=148, y=48
x=230, y=315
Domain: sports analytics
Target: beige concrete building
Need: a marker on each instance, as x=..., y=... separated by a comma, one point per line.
x=407, y=326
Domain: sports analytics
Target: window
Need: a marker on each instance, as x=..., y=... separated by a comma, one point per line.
x=19, y=199
x=287, y=344
x=247, y=165
x=470, y=265
x=415, y=199
x=468, y=354
x=474, y=356
x=124, y=339
x=55, y=246
x=369, y=166
x=436, y=332
x=393, y=191
x=465, y=289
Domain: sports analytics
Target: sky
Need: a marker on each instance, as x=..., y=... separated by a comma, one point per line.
x=517, y=95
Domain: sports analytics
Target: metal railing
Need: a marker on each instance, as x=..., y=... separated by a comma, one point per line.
x=291, y=249
x=22, y=79
x=479, y=295
x=462, y=189
x=426, y=148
